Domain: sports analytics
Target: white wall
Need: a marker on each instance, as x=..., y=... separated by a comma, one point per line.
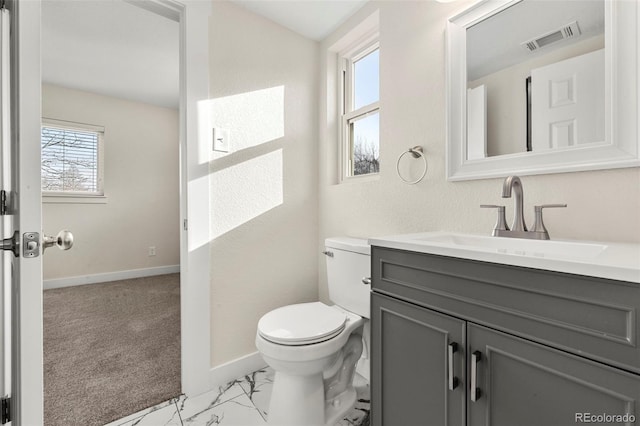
x=263, y=87
x=603, y=205
x=140, y=182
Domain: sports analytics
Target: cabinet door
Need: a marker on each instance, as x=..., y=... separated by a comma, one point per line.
x=522, y=383
x=412, y=360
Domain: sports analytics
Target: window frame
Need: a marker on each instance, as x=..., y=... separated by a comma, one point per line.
x=346, y=66
x=97, y=196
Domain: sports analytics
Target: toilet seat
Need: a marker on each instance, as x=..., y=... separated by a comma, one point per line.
x=302, y=324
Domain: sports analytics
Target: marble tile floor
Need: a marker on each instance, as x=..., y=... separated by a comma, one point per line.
x=242, y=402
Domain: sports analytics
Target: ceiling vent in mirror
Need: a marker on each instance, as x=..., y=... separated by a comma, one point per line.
x=567, y=31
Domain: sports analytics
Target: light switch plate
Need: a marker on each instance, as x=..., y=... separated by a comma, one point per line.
x=221, y=139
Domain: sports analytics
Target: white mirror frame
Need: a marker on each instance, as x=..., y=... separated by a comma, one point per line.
x=621, y=147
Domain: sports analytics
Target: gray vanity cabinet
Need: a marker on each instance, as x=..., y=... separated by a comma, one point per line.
x=522, y=383
x=533, y=348
x=411, y=351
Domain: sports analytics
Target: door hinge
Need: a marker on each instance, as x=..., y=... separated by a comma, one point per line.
x=3, y=202
x=5, y=415
x=185, y=224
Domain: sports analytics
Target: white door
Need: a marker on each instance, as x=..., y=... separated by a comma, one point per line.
x=6, y=225
x=25, y=274
x=563, y=96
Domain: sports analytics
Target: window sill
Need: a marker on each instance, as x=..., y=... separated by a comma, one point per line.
x=359, y=179
x=74, y=199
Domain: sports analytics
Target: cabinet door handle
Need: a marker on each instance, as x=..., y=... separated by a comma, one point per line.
x=475, y=390
x=453, y=381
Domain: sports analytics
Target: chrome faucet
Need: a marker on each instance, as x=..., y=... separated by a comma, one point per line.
x=513, y=182
x=519, y=227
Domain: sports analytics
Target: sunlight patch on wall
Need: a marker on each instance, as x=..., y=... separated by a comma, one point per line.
x=245, y=191
x=253, y=118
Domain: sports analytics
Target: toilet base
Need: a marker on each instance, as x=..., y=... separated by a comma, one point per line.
x=300, y=401
x=288, y=408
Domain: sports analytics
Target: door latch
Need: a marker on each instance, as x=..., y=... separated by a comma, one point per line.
x=31, y=244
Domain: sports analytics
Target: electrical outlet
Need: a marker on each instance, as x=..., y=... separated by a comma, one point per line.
x=152, y=251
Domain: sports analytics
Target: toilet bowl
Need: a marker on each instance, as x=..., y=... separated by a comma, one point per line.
x=314, y=348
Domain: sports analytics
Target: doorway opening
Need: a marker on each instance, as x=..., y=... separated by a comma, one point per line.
x=111, y=175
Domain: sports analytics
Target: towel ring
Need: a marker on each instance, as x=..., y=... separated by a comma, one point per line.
x=416, y=152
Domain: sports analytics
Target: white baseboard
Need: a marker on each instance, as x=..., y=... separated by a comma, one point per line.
x=240, y=367
x=109, y=276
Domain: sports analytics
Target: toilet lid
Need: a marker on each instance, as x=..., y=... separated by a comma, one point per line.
x=302, y=324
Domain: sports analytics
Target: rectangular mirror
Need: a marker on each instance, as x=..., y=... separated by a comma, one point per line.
x=542, y=87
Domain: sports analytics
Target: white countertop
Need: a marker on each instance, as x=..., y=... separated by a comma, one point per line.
x=617, y=261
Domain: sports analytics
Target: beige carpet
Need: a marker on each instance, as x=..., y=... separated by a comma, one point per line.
x=110, y=349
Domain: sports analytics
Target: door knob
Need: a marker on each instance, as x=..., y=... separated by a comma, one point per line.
x=64, y=240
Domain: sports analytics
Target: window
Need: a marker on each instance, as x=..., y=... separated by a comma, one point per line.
x=361, y=110
x=71, y=158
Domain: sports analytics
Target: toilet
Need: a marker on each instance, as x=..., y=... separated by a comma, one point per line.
x=316, y=348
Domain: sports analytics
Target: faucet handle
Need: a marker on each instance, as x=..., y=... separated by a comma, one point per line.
x=544, y=206
x=501, y=222
x=538, y=226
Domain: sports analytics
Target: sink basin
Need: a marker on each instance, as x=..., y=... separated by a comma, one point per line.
x=517, y=246
x=618, y=261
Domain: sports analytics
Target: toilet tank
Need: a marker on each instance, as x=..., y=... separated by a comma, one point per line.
x=348, y=262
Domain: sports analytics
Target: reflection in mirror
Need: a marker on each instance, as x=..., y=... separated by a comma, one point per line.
x=536, y=78
x=567, y=147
